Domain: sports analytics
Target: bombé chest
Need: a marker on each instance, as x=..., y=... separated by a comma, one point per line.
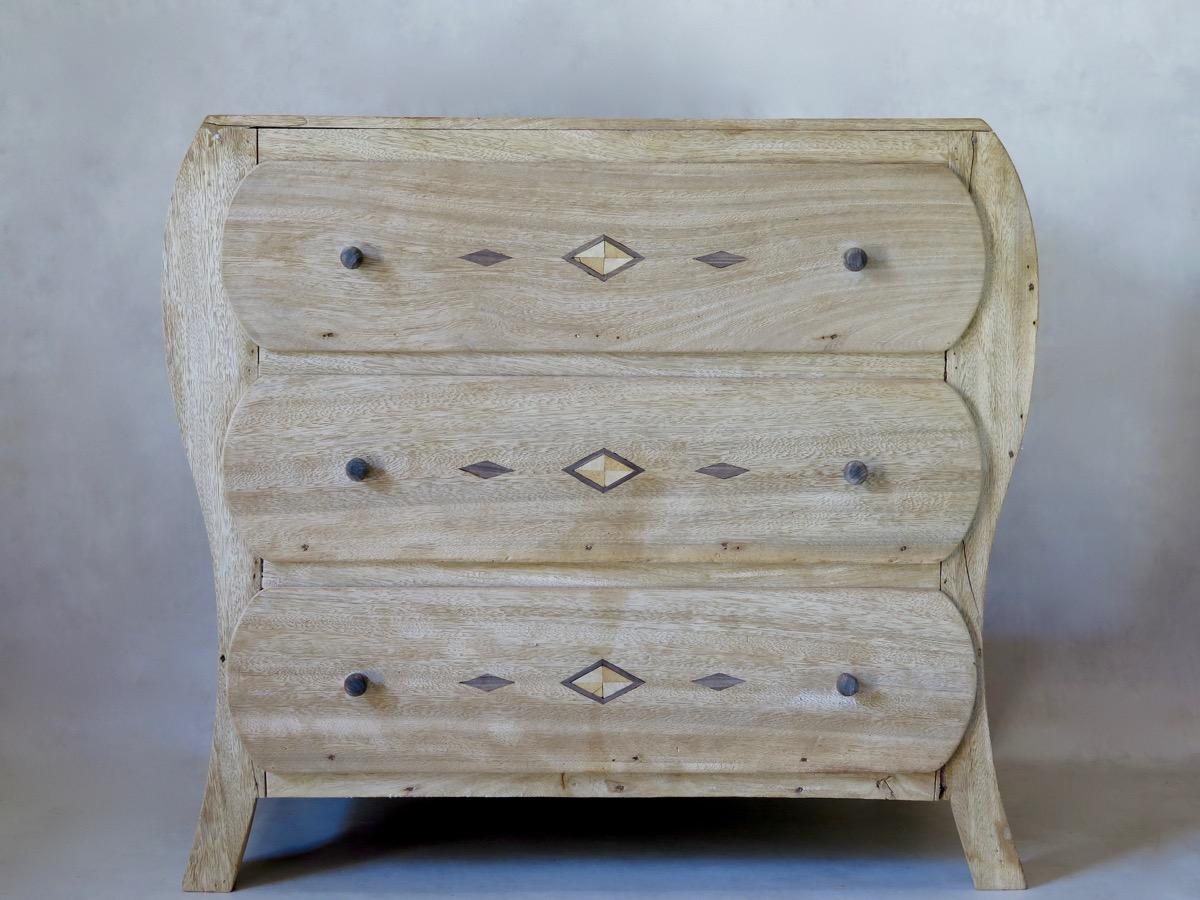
x=593, y=457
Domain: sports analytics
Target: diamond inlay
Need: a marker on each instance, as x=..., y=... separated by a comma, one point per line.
x=603, y=257
x=723, y=470
x=487, y=683
x=602, y=682
x=718, y=681
x=604, y=470
x=721, y=259
x=485, y=469
x=485, y=257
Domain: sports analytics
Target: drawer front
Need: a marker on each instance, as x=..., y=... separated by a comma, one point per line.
x=611, y=256
x=592, y=470
x=576, y=680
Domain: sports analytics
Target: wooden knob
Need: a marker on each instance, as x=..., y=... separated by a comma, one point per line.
x=847, y=685
x=356, y=684
x=856, y=472
x=352, y=257
x=855, y=259
x=358, y=469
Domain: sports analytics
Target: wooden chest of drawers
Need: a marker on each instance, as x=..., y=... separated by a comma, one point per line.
x=600, y=458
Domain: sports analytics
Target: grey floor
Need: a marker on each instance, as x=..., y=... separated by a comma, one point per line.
x=122, y=830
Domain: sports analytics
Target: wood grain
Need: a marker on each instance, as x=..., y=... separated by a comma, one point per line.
x=414, y=220
x=210, y=361
x=649, y=575
x=291, y=436
x=910, y=650
x=970, y=776
x=900, y=786
x=627, y=365
x=993, y=368
x=600, y=145
x=962, y=154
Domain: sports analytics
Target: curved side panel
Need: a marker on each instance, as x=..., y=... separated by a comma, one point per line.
x=210, y=362
x=529, y=680
x=992, y=366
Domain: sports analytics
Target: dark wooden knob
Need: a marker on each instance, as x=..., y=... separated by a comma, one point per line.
x=356, y=684
x=352, y=257
x=855, y=259
x=847, y=685
x=856, y=472
x=358, y=469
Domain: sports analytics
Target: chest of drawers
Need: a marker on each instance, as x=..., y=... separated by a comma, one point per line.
x=600, y=458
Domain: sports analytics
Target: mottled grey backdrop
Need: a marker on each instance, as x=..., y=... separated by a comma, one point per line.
x=107, y=638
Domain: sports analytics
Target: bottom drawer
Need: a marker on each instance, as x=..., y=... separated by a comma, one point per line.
x=574, y=680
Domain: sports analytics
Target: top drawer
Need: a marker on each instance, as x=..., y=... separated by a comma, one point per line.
x=603, y=256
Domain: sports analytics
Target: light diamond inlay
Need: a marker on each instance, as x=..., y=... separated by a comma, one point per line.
x=604, y=470
x=602, y=682
x=603, y=257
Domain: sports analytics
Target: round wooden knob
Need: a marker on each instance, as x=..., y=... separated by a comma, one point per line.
x=855, y=259
x=856, y=472
x=358, y=469
x=356, y=684
x=847, y=685
x=352, y=257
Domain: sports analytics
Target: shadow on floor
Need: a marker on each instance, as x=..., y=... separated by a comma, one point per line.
x=1066, y=819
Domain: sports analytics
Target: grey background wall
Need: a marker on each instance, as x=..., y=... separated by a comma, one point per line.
x=107, y=638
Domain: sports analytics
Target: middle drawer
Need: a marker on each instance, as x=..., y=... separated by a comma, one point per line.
x=542, y=469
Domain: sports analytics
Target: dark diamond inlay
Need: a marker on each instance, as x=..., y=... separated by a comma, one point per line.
x=723, y=470
x=485, y=257
x=602, y=682
x=604, y=470
x=718, y=681
x=485, y=469
x=603, y=257
x=487, y=683
x=721, y=259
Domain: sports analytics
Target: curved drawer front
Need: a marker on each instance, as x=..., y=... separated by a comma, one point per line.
x=562, y=680
x=536, y=469
x=603, y=256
